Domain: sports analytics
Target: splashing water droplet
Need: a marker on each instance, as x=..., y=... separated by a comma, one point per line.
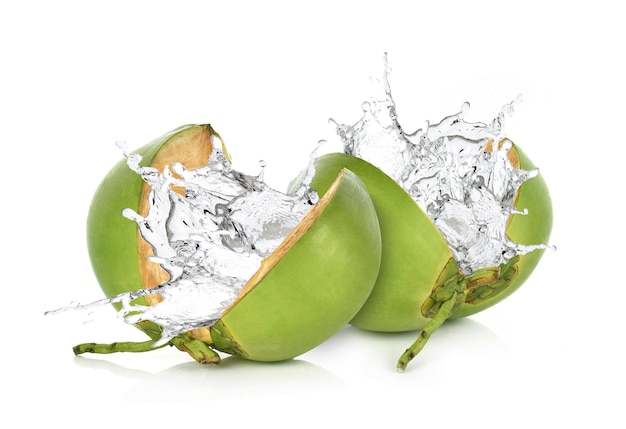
x=211, y=241
x=465, y=107
x=467, y=190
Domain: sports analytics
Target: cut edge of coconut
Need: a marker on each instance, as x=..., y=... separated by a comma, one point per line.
x=294, y=236
x=191, y=147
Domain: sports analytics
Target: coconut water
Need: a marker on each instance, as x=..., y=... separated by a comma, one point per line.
x=458, y=172
x=210, y=241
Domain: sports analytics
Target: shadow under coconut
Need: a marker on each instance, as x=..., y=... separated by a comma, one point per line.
x=232, y=378
x=465, y=340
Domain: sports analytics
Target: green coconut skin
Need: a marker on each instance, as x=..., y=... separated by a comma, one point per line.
x=416, y=258
x=112, y=240
x=413, y=254
x=317, y=286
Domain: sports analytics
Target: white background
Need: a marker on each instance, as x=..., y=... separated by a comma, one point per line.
x=76, y=77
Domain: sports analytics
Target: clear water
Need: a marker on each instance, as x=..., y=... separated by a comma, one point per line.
x=211, y=240
x=467, y=192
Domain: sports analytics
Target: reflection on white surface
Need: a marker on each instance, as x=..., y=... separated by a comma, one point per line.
x=346, y=361
x=233, y=378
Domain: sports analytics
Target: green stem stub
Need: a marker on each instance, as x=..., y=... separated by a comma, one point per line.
x=223, y=340
x=450, y=294
x=444, y=301
x=200, y=351
x=197, y=349
x=117, y=347
x=445, y=310
x=487, y=283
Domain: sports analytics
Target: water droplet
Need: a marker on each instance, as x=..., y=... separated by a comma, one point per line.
x=122, y=145
x=508, y=254
x=465, y=107
x=444, y=168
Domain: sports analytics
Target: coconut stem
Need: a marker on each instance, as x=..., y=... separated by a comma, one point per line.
x=197, y=349
x=446, y=310
x=117, y=347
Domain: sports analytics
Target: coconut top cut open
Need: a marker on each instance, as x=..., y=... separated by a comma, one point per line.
x=117, y=251
x=302, y=293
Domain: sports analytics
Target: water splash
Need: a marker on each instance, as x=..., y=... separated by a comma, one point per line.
x=453, y=170
x=211, y=240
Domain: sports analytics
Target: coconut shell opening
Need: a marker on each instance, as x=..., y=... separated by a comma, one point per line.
x=192, y=148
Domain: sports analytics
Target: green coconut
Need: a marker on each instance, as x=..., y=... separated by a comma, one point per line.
x=311, y=286
x=420, y=285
